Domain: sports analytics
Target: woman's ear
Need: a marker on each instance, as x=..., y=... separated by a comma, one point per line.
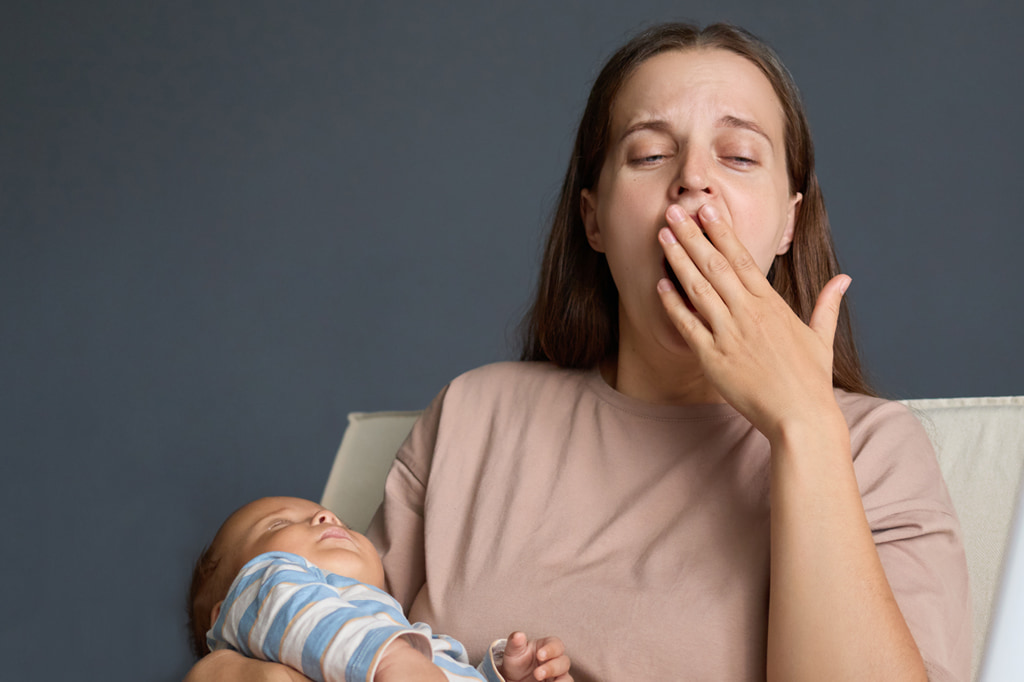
x=588, y=211
x=791, y=216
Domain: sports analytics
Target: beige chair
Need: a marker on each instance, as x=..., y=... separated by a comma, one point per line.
x=979, y=441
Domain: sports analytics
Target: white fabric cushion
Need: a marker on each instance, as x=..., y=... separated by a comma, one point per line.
x=355, y=486
x=980, y=446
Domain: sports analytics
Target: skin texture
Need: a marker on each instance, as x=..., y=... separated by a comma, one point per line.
x=706, y=192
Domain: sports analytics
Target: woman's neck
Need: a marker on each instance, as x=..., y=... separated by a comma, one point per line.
x=668, y=380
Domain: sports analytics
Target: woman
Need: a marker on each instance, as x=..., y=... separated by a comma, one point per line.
x=695, y=482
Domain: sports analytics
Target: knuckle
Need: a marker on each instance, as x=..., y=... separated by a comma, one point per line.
x=692, y=325
x=743, y=262
x=702, y=288
x=759, y=317
x=691, y=231
x=718, y=263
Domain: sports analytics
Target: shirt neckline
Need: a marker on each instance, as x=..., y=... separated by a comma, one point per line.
x=640, y=408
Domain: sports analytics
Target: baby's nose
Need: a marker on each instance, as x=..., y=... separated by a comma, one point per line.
x=325, y=516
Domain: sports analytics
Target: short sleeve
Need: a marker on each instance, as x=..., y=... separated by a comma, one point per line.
x=917, y=535
x=397, y=528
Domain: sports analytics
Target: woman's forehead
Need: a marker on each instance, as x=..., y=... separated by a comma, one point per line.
x=698, y=81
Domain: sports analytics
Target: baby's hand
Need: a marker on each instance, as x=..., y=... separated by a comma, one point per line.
x=536, y=660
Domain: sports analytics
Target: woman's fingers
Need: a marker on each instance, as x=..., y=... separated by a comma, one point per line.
x=826, y=310
x=741, y=264
x=699, y=303
x=683, y=312
x=711, y=265
x=753, y=347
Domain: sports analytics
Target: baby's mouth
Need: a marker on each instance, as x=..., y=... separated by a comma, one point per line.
x=336, y=532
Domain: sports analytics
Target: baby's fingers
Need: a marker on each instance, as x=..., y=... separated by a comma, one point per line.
x=518, y=657
x=554, y=669
x=549, y=648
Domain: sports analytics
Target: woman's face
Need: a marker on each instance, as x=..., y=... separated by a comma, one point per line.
x=693, y=127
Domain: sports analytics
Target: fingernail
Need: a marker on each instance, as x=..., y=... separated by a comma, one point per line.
x=708, y=212
x=664, y=285
x=845, y=285
x=675, y=213
x=667, y=236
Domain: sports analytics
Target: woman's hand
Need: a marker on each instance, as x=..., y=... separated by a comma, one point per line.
x=230, y=666
x=759, y=355
x=832, y=614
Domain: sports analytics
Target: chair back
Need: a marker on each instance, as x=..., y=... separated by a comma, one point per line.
x=355, y=486
x=980, y=446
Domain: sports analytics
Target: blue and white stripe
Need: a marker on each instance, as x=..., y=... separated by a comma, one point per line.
x=331, y=628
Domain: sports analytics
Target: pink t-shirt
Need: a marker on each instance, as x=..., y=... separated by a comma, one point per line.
x=534, y=498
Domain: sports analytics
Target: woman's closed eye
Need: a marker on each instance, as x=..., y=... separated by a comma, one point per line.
x=647, y=159
x=739, y=160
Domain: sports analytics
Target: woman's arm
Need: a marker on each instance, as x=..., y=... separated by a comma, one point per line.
x=231, y=666
x=832, y=613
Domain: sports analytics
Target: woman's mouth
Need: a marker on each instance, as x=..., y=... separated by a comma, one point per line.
x=670, y=273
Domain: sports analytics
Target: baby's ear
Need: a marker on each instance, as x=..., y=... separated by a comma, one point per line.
x=215, y=612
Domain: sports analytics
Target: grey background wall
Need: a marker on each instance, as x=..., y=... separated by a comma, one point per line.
x=224, y=226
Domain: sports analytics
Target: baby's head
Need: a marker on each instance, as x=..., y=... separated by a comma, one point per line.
x=275, y=524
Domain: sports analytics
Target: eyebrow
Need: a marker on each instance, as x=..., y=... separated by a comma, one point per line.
x=661, y=126
x=654, y=124
x=744, y=124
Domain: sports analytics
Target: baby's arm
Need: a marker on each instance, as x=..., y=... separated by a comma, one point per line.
x=282, y=608
x=402, y=662
x=538, y=659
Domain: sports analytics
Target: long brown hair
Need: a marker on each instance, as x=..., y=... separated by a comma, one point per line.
x=574, y=318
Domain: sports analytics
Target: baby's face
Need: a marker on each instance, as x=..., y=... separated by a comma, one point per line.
x=290, y=524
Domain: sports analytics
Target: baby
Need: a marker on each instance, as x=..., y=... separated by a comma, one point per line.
x=284, y=580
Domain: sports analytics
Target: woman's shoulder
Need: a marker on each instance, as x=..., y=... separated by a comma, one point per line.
x=515, y=378
x=865, y=413
x=893, y=455
x=516, y=370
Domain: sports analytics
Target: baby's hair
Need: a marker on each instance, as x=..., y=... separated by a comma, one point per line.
x=201, y=598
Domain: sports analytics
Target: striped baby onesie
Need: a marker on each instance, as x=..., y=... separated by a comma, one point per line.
x=330, y=628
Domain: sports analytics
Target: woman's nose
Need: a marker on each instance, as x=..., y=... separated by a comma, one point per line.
x=695, y=174
x=324, y=516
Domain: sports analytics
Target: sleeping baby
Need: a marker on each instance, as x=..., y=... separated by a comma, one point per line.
x=284, y=580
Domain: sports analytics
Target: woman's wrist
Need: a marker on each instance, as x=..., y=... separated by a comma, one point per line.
x=811, y=431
